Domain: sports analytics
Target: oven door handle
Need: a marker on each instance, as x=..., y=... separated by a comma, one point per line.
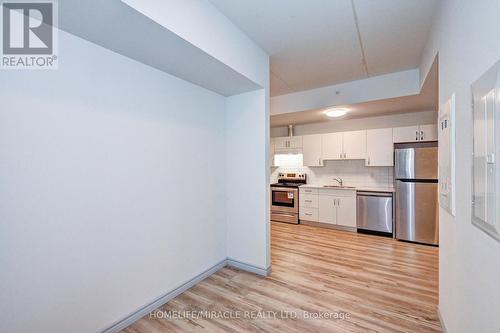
x=285, y=189
x=286, y=214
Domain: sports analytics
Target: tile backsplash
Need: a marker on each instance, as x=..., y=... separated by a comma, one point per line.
x=353, y=172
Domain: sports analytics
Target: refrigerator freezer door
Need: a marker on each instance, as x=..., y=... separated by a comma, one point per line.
x=416, y=163
x=417, y=212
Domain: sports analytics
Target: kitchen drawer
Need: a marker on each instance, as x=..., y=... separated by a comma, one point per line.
x=338, y=192
x=308, y=201
x=309, y=214
x=308, y=190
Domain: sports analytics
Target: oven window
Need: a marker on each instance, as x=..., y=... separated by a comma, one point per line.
x=283, y=198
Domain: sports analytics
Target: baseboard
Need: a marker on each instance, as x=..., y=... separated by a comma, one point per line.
x=328, y=226
x=248, y=267
x=441, y=320
x=138, y=314
x=131, y=318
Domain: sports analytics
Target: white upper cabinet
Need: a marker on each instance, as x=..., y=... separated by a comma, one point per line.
x=271, y=151
x=288, y=142
x=344, y=145
x=295, y=142
x=281, y=143
x=312, y=150
x=354, y=145
x=375, y=146
x=332, y=146
x=406, y=134
x=415, y=133
x=428, y=132
x=379, y=147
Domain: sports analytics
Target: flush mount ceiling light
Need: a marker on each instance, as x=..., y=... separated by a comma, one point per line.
x=335, y=113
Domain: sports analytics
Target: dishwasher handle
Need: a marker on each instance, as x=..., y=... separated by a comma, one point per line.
x=375, y=194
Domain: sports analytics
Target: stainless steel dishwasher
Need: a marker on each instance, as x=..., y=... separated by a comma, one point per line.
x=374, y=212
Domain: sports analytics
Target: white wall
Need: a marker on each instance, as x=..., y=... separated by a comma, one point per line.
x=112, y=192
x=398, y=120
x=466, y=35
x=200, y=23
x=247, y=120
x=247, y=179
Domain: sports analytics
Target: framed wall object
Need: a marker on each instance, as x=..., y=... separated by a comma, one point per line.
x=485, y=166
x=446, y=139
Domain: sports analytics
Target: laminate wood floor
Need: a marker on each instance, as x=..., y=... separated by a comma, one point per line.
x=357, y=283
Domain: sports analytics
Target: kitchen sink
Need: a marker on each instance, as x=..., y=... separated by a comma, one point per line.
x=338, y=186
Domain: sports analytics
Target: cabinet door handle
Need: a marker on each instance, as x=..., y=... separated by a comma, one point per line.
x=334, y=202
x=308, y=200
x=416, y=136
x=319, y=161
x=308, y=214
x=421, y=135
x=345, y=155
x=338, y=202
x=368, y=160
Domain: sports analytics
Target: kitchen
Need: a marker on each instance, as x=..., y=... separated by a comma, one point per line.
x=347, y=151
x=372, y=180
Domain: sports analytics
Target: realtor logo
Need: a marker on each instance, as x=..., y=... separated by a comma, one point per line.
x=28, y=35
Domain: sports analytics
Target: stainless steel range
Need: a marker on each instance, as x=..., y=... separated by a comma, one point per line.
x=285, y=197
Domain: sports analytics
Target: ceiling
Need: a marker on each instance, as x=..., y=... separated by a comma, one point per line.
x=324, y=42
x=90, y=20
x=427, y=100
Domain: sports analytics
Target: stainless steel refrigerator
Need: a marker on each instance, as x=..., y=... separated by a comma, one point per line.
x=416, y=182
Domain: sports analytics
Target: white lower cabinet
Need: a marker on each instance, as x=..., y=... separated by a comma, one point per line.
x=308, y=204
x=308, y=200
x=309, y=214
x=329, y=206
x=327, y=209
x=346, y=211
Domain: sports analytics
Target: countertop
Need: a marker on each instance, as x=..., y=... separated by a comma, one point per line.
x=357, y=188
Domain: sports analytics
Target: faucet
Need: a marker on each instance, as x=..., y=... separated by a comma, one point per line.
x=339, y=180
